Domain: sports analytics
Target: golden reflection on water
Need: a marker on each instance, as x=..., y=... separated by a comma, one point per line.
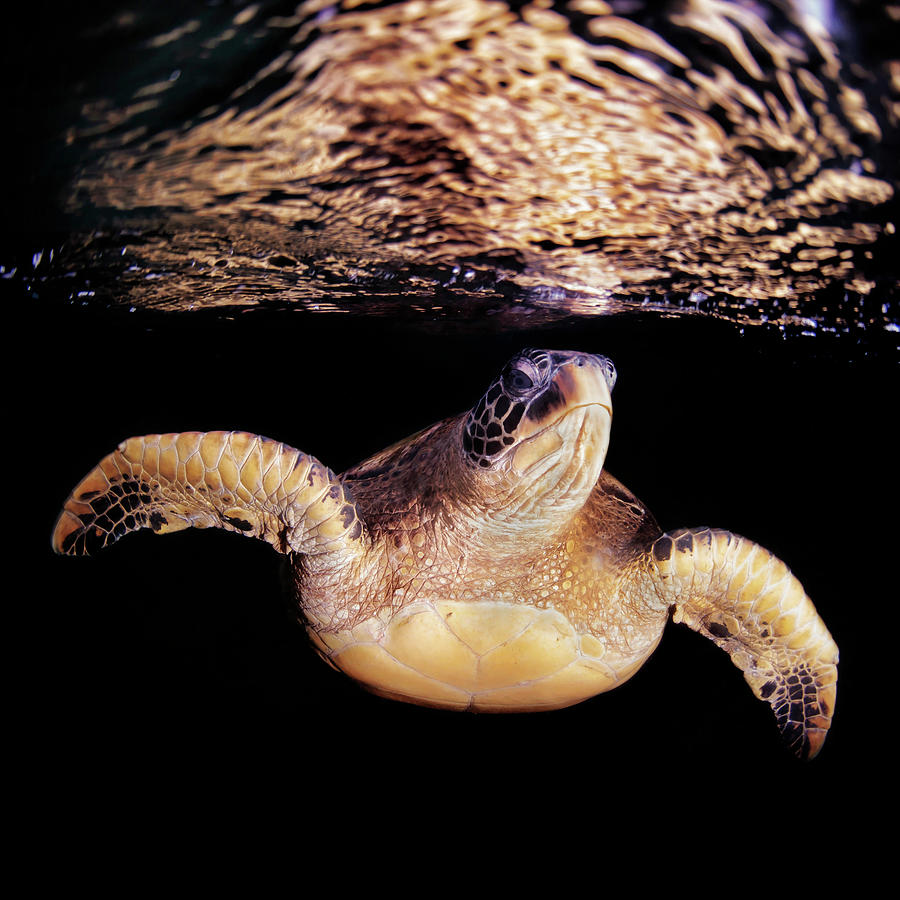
x=573, y=157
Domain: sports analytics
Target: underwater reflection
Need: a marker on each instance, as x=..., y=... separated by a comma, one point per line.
x=732, y=159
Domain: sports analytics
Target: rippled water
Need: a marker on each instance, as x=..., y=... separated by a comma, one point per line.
x=462, y=159
x=210, y=234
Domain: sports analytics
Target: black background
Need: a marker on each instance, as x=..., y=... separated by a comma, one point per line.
x=169, y=647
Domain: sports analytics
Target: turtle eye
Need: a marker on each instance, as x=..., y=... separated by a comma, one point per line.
x=520, y=381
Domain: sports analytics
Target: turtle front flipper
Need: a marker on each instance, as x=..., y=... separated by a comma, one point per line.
x=219, y=479
x=742, y=597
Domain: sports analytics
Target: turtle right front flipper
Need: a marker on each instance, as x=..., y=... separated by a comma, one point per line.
x=746, y=600
x=220, y=479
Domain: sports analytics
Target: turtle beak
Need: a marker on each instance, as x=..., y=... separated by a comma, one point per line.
x=582, y=381
x=586, y=380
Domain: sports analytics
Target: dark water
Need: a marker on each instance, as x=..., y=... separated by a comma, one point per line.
x=174, y=646
x=171, y=661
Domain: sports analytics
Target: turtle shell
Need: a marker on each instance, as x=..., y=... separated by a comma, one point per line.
x=483, y=657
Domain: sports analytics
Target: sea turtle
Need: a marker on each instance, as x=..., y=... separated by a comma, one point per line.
x=487, y=563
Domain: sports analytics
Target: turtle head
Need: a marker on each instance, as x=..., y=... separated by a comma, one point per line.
x=536, y=441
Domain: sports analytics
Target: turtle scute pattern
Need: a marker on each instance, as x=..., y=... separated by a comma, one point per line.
x=232, y=480
x=748, y=602
x=479, y=657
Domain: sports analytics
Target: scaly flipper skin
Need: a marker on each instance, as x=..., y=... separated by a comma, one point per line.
x=220, y=479
x=742, y=597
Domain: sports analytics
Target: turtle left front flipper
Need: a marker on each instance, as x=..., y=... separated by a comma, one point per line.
x=232, y=480
x=747, y=601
